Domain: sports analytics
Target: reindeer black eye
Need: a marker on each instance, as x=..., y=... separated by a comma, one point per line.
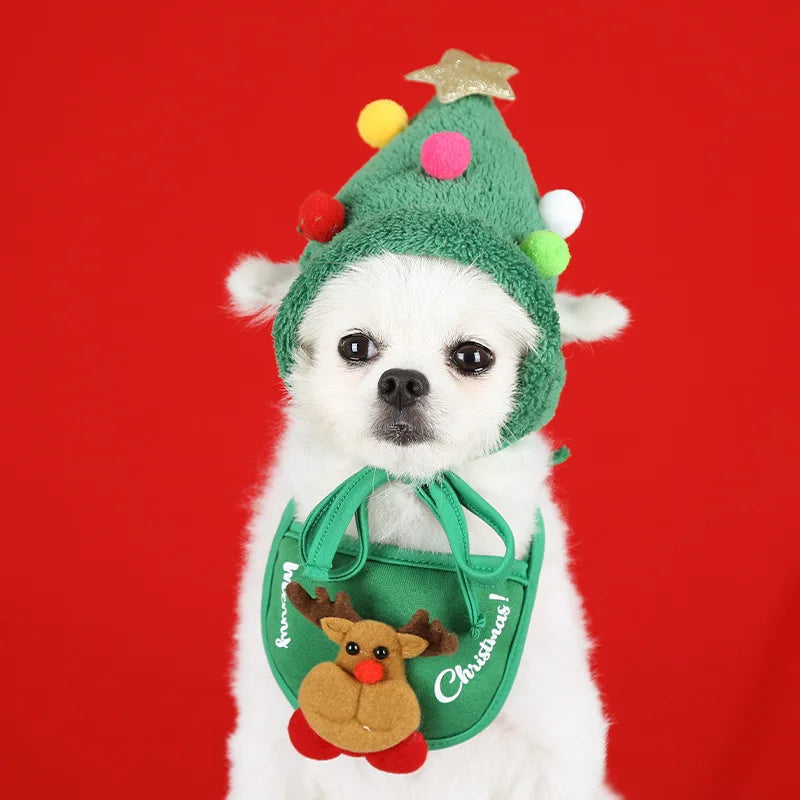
x=352, y=649
x=357, y=347
x=380, y=653
x=471, y=358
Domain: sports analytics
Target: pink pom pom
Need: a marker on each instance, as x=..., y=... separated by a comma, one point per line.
x=445, y=155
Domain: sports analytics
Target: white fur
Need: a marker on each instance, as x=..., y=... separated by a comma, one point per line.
x=561, y=211
x=589, y=317
x=548, y=743
x=257, y=286
x=417, y=308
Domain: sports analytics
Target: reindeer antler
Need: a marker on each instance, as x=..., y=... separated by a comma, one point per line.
x=315, y=608
x=440, y=642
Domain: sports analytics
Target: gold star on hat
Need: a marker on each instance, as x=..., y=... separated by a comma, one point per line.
x=458, y=74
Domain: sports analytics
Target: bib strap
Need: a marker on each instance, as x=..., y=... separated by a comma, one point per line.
x=446, y=497
x=326, y=525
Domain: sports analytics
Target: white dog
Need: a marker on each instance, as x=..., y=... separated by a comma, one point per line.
x=428, y=315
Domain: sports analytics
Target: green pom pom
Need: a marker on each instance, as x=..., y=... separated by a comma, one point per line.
x=548, y=251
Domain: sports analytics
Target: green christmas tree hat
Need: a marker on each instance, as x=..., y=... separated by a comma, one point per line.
x=450, y=183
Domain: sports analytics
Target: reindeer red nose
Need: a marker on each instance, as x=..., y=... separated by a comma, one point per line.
x=369, y=671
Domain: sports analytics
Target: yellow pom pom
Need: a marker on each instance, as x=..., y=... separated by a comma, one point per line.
x=380, y=121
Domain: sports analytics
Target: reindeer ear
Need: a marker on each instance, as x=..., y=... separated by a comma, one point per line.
x=336, y=628
x=257, y=286
x=589, y=317
x=411, y=646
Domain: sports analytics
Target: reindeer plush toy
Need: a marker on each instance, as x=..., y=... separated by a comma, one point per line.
x=362, y=703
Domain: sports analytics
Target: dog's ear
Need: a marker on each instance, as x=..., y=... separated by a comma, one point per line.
x=589, y=317
x=256, y=286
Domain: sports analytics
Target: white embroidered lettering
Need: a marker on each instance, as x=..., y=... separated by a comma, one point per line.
x=288, y=570
x=462, y=675
x=437, y=687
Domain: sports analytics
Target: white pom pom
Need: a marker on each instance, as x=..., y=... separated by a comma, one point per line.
x=561, y=212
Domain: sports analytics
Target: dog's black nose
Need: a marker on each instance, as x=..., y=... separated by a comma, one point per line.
x=402, y=387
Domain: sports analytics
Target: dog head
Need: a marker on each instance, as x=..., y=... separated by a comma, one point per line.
x=410, y=363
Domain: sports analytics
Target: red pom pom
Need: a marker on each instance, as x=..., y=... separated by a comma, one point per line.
x=369, y=671
x=321, y=217
x=307, y=741
x=408, y=756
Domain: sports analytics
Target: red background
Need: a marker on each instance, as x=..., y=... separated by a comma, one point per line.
x=145, y=146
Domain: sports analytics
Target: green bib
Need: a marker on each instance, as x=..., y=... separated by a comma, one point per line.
x=486, y=600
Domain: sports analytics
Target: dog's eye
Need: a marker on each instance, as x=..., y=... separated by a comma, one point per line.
x=380, y=652
x=472, y=358
x=352, y=649
x=357, y=347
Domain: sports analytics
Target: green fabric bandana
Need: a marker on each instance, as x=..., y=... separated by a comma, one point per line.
x=486, y=600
